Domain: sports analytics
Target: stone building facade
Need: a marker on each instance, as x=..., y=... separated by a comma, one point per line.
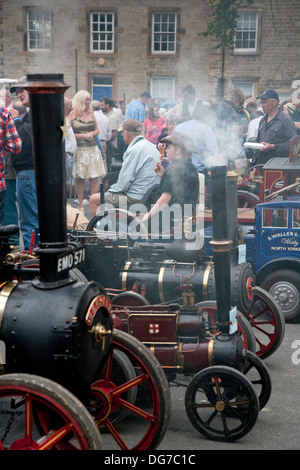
x=121, y=48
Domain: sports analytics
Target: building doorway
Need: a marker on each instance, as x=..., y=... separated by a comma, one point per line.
x=101, y=85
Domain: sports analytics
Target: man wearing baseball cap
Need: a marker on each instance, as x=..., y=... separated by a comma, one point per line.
x=275, y=129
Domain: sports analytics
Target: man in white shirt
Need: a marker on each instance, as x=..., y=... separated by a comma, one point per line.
x=107, y=107
x=185, y=108
x=103, y=125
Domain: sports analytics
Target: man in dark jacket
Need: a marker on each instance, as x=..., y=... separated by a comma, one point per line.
x=275, y=130
x=24, y=166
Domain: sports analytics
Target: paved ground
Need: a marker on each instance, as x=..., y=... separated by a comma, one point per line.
x=278, y=425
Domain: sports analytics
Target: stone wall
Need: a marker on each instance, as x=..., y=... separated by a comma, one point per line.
x=276, y=65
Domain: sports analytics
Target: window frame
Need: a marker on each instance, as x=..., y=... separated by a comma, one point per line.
x=238, y=83
x=28, y=30
x=153, y=32
x=253, y=50
x=159, y=77
x=269, y=214
x=106, y=32
x=296, y=218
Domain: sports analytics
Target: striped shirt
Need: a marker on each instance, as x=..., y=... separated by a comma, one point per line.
x=9, y=140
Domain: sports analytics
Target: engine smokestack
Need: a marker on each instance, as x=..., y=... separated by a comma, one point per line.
x=221, y=245
x=46, y=93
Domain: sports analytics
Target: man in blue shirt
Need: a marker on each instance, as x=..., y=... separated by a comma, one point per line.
x=203, y=139
x=137, y=108
x=137, y=174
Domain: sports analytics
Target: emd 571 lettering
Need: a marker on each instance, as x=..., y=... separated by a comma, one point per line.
x=71, y=260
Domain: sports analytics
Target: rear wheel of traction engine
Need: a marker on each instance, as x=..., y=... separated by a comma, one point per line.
x=221, y=403
x=44, y=416
x=149, y=415
x=245, y=199
x=284, y=286
x=209, y=309
x=256, y=371
x=267, y=322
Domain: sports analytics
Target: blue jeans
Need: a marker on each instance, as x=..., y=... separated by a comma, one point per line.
x=11, y=211
x=27, y=202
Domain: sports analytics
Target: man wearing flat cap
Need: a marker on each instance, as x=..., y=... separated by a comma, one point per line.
x=137, y=174
x=275, y=130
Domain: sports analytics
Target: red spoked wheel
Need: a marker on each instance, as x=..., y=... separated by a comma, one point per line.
x=267, y=322
x=148, y=415
x=42, y=415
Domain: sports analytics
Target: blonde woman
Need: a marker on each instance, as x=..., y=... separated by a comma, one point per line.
x=88, y=162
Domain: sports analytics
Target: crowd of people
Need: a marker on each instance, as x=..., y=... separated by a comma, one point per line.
x=159, y=148
x=217, y=131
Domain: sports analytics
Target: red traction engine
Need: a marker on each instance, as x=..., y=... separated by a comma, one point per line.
x=65, y=372
x=153, y=272
x=201, y=337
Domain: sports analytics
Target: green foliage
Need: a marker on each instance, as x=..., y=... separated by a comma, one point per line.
x=224, y=21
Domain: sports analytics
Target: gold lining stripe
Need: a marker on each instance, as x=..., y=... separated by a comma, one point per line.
x=205, y=281
x=124, y=275
x=56, y=438
x=210, y=352
x=4, y=294
x=160, y=284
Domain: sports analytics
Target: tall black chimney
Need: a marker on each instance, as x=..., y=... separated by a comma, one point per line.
x=221, y=245
x=46, y=94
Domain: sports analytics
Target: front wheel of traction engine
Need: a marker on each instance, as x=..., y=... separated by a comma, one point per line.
x=39, y=414
x=149, y=415
x=221, y=403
